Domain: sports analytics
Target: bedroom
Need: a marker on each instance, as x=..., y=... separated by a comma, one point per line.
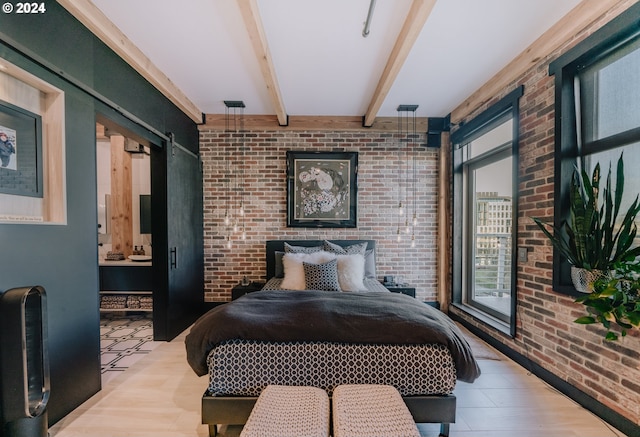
x=540, y=306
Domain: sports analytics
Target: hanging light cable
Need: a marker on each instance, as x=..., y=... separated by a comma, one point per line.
x=227, y=178
x=236, y=220
x=407, y=136
x=415, y=182
x=407, y=141
x=242, y=175
x=235, y=177
x=400, y=206
x=227, y=218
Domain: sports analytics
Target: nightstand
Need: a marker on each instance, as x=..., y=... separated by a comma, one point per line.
x=240, y=290
x=401, y=288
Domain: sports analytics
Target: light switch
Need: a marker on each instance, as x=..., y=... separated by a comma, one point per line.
x=523, y=254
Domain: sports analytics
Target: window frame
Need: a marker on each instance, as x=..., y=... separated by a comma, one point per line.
x=607, y=41
x=497, y=154
x=507, y=107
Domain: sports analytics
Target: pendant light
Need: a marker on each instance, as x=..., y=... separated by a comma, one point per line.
x=235, y=209
x=407, y=135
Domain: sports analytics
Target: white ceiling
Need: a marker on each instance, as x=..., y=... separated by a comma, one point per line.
x=323, y=64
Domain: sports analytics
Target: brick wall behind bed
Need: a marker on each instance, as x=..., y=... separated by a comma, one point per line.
x=266, y=207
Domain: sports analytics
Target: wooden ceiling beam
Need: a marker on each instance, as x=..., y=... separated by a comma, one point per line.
x=417, y=16
x=310, y=123
x=251, y=17
x=98, y=23
x=585, y=13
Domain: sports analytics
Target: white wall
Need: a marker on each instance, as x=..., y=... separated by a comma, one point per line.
x=140, y=184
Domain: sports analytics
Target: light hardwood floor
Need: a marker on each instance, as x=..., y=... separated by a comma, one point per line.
x=159, y=396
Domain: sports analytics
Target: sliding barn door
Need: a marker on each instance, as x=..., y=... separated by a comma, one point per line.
x=176, y=179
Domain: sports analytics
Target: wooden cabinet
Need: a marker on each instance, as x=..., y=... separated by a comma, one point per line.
x=126, y=288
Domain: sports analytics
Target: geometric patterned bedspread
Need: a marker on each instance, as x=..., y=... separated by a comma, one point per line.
x=246, y=367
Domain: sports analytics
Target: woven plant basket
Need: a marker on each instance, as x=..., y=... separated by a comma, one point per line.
x=583, y=279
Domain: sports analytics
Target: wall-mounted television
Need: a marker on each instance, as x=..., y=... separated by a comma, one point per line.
x=145, y=213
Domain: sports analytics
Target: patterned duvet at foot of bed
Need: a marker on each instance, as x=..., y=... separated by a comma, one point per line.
x=245, y=368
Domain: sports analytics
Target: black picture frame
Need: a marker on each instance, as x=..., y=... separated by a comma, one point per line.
x=20, y=151
x=322, y=189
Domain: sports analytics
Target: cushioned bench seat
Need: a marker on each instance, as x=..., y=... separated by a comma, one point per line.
x=371, y=410
x=289, y=411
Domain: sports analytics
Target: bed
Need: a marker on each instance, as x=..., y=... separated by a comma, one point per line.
x=324, y=338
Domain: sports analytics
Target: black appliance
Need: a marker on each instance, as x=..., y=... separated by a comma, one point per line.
x=24, y=363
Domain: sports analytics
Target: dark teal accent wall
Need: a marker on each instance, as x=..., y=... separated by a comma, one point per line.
x=63, y=258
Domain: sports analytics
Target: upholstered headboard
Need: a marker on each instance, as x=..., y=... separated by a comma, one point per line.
x=273, y=246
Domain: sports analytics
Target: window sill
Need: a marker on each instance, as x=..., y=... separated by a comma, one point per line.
x=484, y=318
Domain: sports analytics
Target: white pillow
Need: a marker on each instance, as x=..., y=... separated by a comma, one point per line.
x=351, y=272
x=294, y=270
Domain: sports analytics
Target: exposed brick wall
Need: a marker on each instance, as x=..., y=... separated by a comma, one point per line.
x=266, y=207
x=546, y=333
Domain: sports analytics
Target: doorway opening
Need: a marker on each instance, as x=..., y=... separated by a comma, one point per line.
x=124, y=249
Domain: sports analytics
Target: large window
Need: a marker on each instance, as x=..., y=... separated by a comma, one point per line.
x=485, y=187
x=597, y=115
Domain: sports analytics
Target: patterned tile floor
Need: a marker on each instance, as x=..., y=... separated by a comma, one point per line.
x=124, y=339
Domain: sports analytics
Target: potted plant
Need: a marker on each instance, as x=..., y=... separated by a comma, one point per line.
x=593, y=240
x=615, y=300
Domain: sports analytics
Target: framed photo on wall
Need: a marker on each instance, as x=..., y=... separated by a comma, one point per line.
x=322, y=189
x=20, y=151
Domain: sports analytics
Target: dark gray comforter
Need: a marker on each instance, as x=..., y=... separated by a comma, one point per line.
x=369, y=318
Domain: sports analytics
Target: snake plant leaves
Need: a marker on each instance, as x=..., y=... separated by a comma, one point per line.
x=593, y=237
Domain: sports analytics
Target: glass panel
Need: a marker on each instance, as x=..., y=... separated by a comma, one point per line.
x=610, y=91
x=492, y=224
x=495, y=137
x=631, y=173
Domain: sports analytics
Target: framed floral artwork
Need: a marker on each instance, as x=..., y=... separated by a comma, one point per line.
x=322, y=189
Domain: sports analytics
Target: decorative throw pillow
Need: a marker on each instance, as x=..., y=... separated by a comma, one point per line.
x=288, y=248
x=321, y=276
x=370, y=264
x=279, y=270
x=346, y=250
x=351, y=272
x=294, y=271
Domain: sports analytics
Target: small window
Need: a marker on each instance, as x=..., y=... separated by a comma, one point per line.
x=609, y=93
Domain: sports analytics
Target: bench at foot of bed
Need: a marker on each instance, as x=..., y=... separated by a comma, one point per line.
x=235, y=410
x=363, y=410
x=289, y=411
